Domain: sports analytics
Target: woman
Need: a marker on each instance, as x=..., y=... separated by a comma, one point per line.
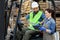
x=49, y=25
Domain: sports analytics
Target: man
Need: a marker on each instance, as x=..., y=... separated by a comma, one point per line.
x=34, y=19
x=49, y=25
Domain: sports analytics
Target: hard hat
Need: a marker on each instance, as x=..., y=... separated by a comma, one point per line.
x=34, y=4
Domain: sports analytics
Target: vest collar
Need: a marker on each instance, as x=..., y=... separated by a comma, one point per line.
x=35, y=12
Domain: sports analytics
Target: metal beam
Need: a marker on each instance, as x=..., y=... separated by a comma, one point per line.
x=2, y=27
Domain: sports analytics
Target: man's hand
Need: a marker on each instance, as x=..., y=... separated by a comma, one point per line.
x=42, y=22
x=42, y=28
x=37, y=25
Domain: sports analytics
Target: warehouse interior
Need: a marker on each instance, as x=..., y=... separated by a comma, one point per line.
x=15, y=10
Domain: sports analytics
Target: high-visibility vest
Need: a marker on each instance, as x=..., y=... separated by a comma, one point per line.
x=34, y=19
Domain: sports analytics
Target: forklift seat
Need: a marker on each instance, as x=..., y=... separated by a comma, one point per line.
x=37, y=36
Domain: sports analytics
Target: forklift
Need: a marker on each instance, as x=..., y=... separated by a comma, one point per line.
x=7, y=17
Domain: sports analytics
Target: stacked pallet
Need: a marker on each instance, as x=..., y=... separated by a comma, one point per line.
x=43, y=5
x=58, y=24
x=26, y=6
x=13, y=17
x=23, y=19
x=15, y=11
x=57, y=3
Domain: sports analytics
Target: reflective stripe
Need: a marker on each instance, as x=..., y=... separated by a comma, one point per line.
x=35, y=19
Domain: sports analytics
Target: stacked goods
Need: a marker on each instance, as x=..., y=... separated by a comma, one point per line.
x=57, y=3
x=13, y=16
x=23, y=19
x=43, y=5
x=12, y=22
x=58, y=24
x=26, y=7
x=15, y=11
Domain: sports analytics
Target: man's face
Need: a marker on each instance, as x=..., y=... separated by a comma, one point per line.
x=35, y=9
x=47, y=14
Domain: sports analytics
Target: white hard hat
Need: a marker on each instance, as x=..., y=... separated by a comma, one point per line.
x=34, y=4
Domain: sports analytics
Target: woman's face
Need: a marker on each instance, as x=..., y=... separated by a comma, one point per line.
x=47, y=14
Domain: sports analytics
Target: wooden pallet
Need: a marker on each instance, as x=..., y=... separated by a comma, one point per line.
x=26, y=7
x=43, y=5
x=58, y=24
x=57, y=3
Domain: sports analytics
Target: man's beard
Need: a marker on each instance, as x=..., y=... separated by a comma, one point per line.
x=35, y=11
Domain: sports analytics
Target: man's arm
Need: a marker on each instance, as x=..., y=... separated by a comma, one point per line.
x=41, y=20
x=43, y=16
